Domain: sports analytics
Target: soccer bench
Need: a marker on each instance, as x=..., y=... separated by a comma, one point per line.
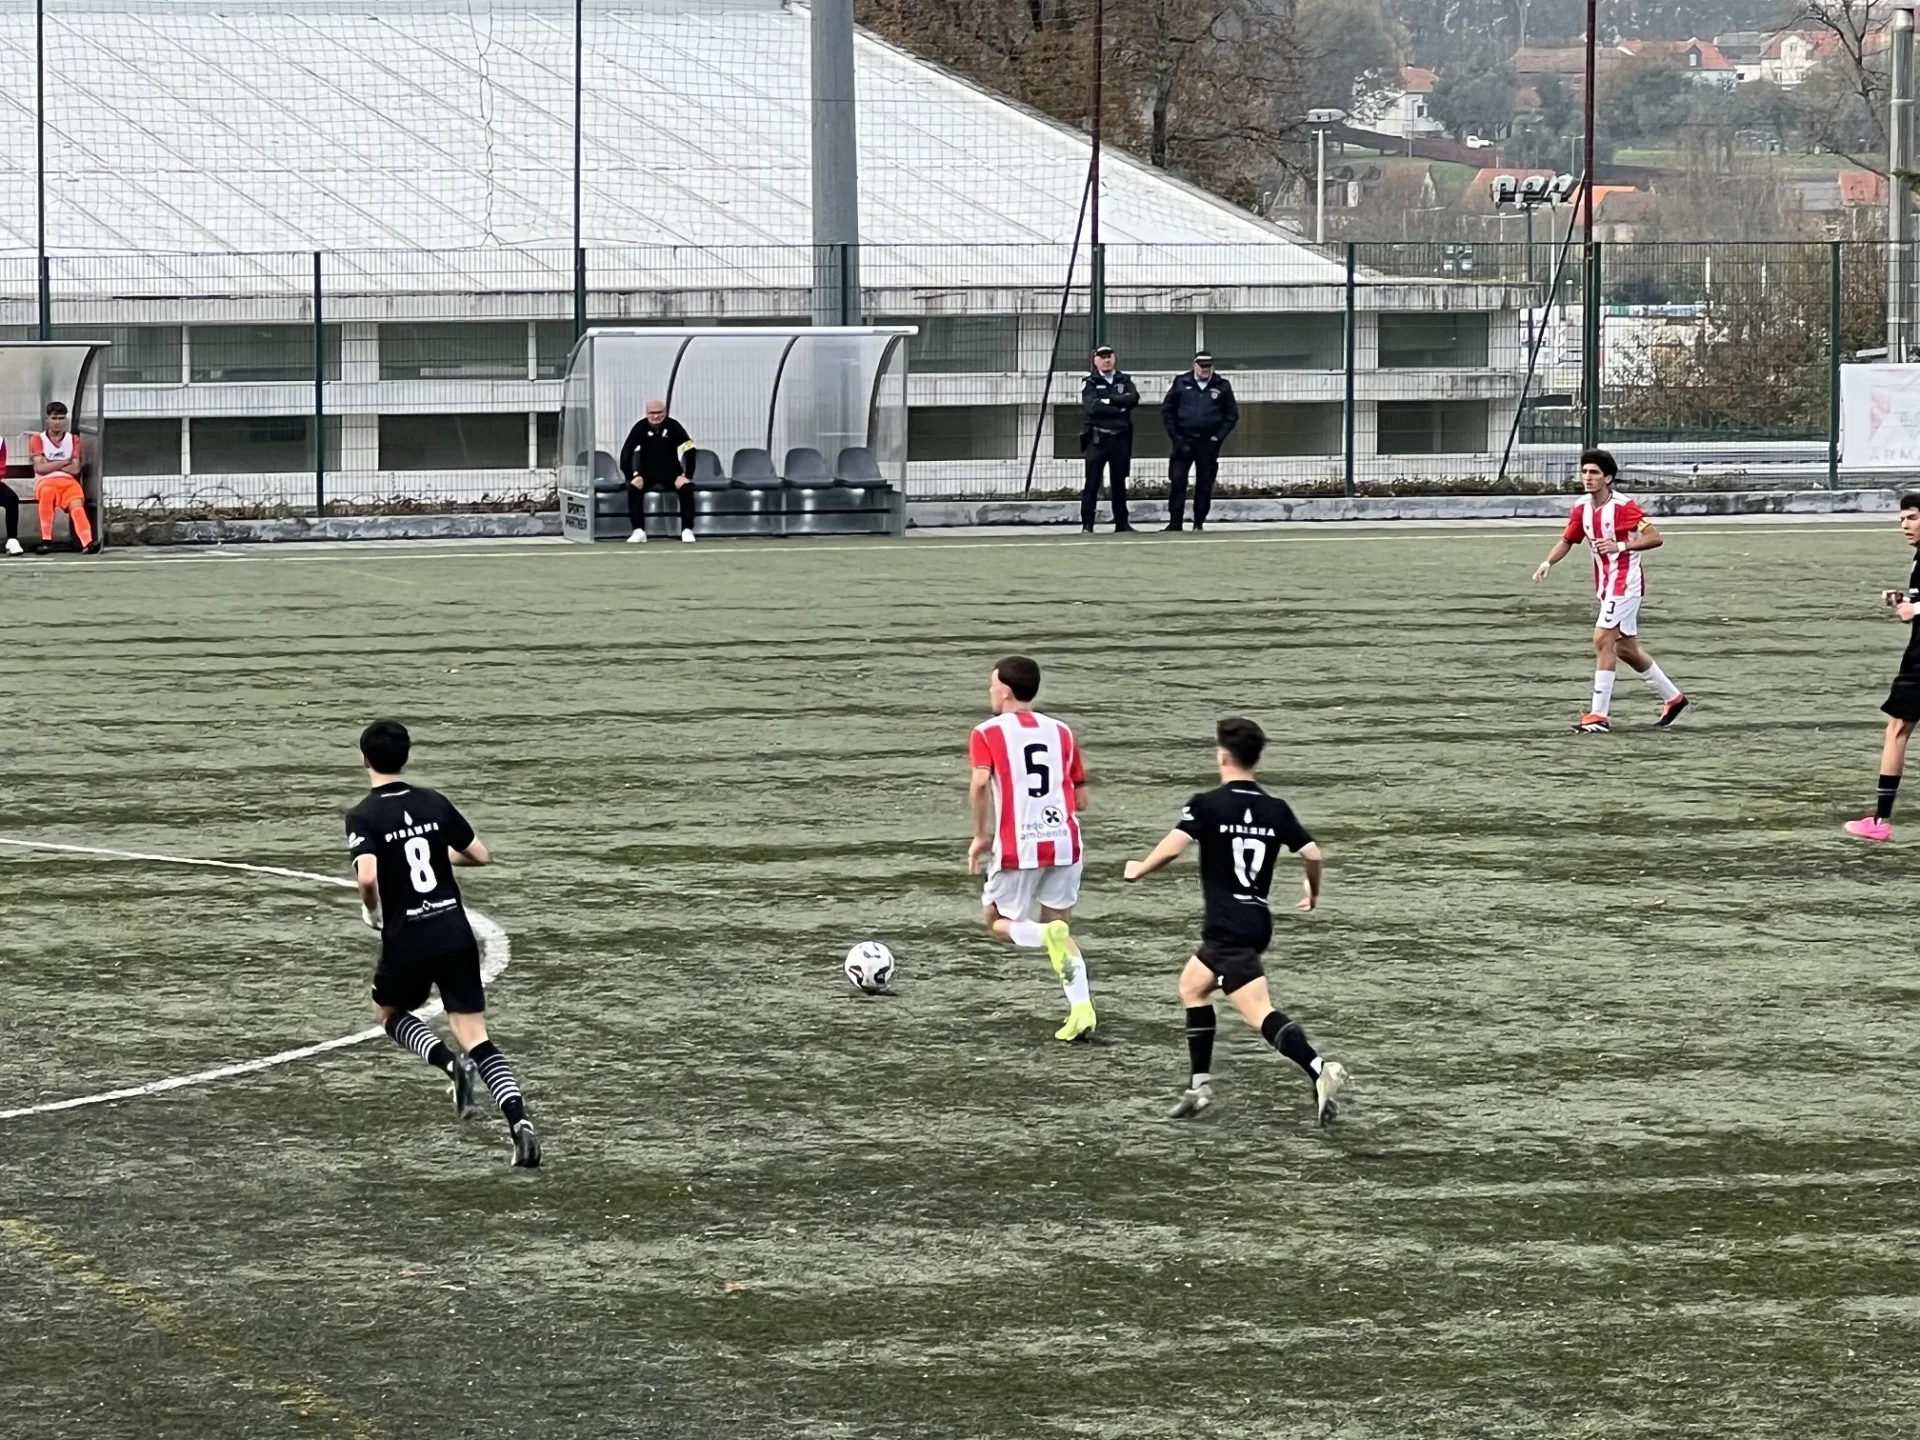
x=775, y=402
x=851, y=498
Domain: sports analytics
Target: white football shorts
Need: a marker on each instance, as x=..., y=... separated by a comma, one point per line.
x=1015, y=893
x=1620, y=612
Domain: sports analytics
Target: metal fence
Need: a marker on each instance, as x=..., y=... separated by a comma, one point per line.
x=353, y=382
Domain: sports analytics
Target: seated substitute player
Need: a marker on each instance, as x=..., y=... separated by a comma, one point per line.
x=1618, y=532
x=658, y=455
x=55, y=452
x=1033, y=767
x=405, y=842
x=1902, y=704
x=1241, y=829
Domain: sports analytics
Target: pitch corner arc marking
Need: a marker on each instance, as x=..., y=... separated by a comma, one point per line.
x=495, y=954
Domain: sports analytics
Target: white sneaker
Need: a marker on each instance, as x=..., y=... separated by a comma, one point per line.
x=13, y=548
x=638, y=537
x=686, y=537
x=1326, y=1085
x=1192, y=1103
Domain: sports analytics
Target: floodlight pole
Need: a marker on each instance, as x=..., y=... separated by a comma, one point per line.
x=1590, y=310
x=579, y=110
x=40, y=163
x=836, y=167
x=1320, y=193
x=1097, y=278
x=1899, y=197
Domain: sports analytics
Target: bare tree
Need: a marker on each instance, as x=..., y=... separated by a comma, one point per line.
x=1845, y=98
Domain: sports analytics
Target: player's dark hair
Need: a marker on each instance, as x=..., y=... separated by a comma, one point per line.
x=1242, y=739
x=1020, y=675
x=385, y=745
x=1609, y=467
x=1910, y=500
x=57, y=408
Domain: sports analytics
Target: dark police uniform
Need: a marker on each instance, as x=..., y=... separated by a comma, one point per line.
x=425, y=938
x=658, y=455
x=1107, y=441
x=1199, y=415
x=1241, y=830
x=1903, y=701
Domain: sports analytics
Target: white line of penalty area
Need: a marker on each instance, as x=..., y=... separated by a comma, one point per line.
x=495, y=952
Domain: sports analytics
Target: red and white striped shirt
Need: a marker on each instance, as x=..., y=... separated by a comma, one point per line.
x=1037, y=772
x=1615, y=576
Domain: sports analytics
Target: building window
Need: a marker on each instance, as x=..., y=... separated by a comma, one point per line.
x=553, y=345
x=467, y=351
x=546, y=440
x=1309, y=341
x=1140, y=342
x=142, y=447
x=1276, y=428
x=260, y=353
x=963, y=432
x=1433, y=427
x=962, y=344
x=141, y=355
x=1149, y=436
x=259, y=444
x=1426, y=342
x=454, y=442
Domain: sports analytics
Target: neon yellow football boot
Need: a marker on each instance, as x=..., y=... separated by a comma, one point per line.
x=1080, y=1023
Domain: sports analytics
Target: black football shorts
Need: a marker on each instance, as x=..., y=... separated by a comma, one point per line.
x=405, y=978
x=1236, y=965
x=1903, y=700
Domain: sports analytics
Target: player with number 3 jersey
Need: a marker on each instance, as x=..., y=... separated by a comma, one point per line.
x=1618, y=533
x=1241, y=830
x=1028, y=789
x=405, y=842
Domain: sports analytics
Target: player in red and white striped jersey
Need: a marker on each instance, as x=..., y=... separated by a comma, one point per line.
x=1618, y=533
x=1028, y=788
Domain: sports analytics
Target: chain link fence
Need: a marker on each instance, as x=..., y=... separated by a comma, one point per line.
x=373, y=381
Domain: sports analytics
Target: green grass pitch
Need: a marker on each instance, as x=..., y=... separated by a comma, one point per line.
x=1633, y=1139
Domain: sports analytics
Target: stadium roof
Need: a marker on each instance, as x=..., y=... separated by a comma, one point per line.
x=244, y=127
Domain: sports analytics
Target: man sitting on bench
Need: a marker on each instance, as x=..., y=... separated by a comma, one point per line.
x=56, y=479
x=658, y=455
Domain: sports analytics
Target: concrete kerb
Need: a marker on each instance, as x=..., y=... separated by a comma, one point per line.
x=955, y=514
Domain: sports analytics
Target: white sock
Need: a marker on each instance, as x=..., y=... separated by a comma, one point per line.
x=1201, y=1077
x=1078, y=992
x=1602, y=692
x=1663, y=687
x=1025, y=934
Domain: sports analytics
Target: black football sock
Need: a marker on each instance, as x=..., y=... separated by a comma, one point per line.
x=1291, y=1041
x=498, y=1074
x=410, y=1032
x=1884, y=794
x=1200, y=1026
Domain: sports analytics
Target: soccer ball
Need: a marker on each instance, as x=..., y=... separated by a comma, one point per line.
x=869, y=968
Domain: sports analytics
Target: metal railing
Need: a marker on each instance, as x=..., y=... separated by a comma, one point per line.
x=365, y=381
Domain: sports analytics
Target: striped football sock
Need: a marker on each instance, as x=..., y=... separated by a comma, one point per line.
x=410, y=1032
x=498, y=1074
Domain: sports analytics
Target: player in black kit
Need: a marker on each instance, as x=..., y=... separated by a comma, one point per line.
x=405, y=842
x=1241, y=829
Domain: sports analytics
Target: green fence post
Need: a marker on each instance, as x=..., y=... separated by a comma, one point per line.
x=1097, y=296
x=319, y=396
x=1833, y=364
x=1352, y=346
x=1590, y=351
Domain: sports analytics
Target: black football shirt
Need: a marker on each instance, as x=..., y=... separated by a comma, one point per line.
x=409, y=831
x=1241, y=830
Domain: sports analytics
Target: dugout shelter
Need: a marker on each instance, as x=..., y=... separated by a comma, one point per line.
x=797, y=431
x=33, y=374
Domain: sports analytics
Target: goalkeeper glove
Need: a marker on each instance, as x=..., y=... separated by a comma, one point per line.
x=370, y=917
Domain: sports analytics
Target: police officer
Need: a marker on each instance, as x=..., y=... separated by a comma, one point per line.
x=1108, y=395
x=1199, y=413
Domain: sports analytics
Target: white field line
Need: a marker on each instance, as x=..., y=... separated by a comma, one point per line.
x=495, y=952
